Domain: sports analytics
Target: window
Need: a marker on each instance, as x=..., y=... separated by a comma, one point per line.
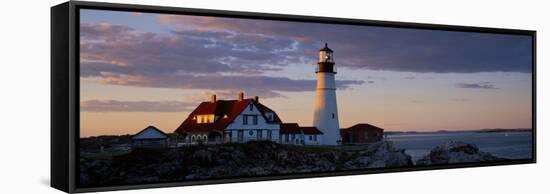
x=205, y=118
x=293, y=136
x=259, y=134
x=240, y=135
x=250, y=132
x=270, y=117
x=286, y=137
x=269, y=134
x=333, y=115
x=255, y=119
x=314, y=137
x=245, y=119
x=251, y=107
x=227, y=136
x=310, y=137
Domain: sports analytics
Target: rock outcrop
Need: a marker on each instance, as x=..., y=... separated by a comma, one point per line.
x=379, y=155
x=456, y=152
x=235, y=160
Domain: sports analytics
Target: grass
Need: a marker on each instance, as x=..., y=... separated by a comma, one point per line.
x=105, y=155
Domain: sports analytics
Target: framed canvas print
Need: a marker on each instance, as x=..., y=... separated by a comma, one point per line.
x=147, y=96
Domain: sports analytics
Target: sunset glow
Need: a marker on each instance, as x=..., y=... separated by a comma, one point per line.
x=154, y=69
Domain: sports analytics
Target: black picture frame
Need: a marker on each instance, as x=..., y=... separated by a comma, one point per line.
x=65, y=90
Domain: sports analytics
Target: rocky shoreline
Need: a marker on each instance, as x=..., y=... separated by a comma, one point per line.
x=235, y=160
x=255, y=159
x=456, y=152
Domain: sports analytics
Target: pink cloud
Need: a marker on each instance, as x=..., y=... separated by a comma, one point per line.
x=134, y=106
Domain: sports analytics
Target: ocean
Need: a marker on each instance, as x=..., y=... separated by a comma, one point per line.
x=512, y=145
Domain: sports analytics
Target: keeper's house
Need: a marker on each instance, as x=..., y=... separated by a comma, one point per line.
x=361, y=133
x=223, y=121
x=150, y=137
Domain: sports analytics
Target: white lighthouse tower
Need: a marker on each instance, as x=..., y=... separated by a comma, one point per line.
x=326, y=111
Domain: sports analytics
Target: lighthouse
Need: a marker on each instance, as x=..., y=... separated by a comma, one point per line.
x=325, y=117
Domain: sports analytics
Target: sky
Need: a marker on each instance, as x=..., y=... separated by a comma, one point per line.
x=140, y=69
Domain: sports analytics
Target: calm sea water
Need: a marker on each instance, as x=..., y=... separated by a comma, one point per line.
x=516, y=145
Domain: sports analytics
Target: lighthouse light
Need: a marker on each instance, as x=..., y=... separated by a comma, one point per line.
x=326, y=57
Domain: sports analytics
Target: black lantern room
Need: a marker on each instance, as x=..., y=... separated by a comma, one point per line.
x=326, y=60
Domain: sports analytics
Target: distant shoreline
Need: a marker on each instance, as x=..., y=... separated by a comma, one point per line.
x=496, y=130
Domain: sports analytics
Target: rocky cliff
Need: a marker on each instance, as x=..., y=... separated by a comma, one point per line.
x=235, y=160
x=456, y=152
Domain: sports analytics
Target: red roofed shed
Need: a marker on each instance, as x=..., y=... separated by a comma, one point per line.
x=361, y=133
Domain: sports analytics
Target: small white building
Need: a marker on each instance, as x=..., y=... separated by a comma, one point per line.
x=223, y=121
x=292, y=133
x=150, y=137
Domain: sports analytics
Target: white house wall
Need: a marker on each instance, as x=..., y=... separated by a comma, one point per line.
x=247, y=136
x=290, y=139
x=237, y=125
x=313, y=141
x=301, y=137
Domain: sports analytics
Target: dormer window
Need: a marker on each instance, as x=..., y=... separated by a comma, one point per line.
x=205, y=118
x=269, y=116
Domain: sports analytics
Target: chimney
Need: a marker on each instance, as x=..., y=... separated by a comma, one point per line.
x=256, y=99
x=241, y=96
x=213, y=98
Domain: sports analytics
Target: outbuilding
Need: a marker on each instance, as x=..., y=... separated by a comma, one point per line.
x=361, y=133
x=292, y=133
x=150, y=137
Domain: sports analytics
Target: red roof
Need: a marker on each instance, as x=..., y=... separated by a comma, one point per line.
x=221, y=108
x=294, y=128
x=363, y=126
x=289, y=128
x=310, y=130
